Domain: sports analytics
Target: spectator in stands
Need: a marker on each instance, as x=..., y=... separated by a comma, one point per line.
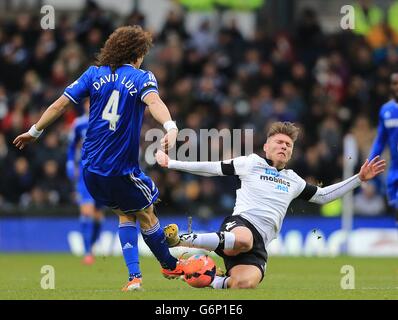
x=368, y=202
x=18, y=180
x=52, y=184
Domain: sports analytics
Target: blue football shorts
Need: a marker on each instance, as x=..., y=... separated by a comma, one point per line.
x=129, y=193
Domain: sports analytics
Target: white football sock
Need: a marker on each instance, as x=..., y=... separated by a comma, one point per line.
x=208, y=241
x=229, y=240
x=220, y=282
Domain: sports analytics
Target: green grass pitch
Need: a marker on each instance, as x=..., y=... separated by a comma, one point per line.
x=286, y=278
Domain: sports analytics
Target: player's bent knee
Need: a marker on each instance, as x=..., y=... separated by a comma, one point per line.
x=247, y=284
x=242, y=283
x=243, y=245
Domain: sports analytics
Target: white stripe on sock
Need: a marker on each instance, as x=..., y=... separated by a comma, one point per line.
x=152, y=229
x=126, y=224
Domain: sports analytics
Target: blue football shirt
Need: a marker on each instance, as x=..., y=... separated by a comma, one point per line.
x=111, y=146
x=387, y=133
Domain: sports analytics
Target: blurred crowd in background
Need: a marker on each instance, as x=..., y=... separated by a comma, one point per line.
x=328, y=84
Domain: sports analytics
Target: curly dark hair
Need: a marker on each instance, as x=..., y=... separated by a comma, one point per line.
x=124, y=45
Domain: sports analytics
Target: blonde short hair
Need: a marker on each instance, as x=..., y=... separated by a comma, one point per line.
x=286, y=128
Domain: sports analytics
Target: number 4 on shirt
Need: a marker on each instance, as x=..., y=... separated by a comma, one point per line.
x=110, y=110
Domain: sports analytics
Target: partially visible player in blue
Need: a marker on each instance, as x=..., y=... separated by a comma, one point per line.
x=91, y=215
x=119, y=93
x=387, y=132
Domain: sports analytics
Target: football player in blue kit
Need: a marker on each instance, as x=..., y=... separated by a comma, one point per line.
x=91, y=215
x=387, y=133
x=119, y=93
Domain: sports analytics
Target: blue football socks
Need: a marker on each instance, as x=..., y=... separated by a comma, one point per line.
x=129, y=241
x=87, y=228
x=156, y=241
x=96, y=231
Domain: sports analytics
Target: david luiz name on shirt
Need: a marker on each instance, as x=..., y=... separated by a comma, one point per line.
x=129, y=84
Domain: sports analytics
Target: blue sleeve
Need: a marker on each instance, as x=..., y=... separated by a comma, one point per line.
x=147, y=84
x=380, y=141
x=80, y=88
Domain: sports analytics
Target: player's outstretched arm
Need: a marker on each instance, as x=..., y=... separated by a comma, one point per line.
x=52, y=113
x=369, y=170
x=202, y=168
x=161, y=113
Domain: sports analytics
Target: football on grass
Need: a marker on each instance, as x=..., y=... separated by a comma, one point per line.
x=205, y=275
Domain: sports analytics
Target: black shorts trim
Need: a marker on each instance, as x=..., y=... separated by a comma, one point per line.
x=257, y=256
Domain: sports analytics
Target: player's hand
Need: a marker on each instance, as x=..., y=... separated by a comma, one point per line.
x=169, y=140
x=23, y=139
x=162, y=159
x=371, y=169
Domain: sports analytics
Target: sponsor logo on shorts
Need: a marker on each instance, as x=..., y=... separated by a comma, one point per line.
x=230, y=225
